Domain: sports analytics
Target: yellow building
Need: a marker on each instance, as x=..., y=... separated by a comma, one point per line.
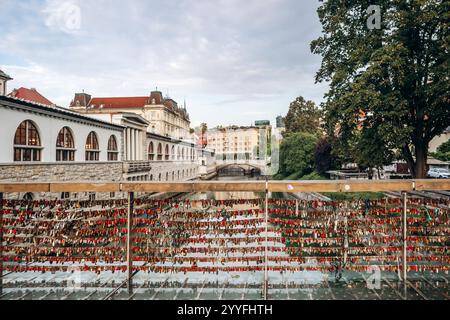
x=235, y=142
x=164, y=115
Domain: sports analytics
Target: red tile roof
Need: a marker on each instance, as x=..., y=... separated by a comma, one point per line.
x=126, y=102
x=31, y=95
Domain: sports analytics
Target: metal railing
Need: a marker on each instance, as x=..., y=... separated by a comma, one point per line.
x=266, y=187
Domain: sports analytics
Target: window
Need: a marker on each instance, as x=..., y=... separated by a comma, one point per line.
x=65, y=195
x=160, y=155
x=113, y=152
x=173, y=153
x=91, y=196
x=27, y=144
x=92, y=149
x=112, y=195
x=167, y=152
x=151, y=152
x=65, y=147
x=28, y=196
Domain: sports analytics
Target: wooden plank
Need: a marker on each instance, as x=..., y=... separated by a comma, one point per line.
x=432, y=184
x=24, y=187
x=84, y=187
x=255, y=186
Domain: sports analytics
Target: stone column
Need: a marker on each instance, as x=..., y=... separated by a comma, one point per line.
x=129, y=157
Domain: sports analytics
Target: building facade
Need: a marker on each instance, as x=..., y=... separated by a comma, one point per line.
x=164, y=115
x=235, y=143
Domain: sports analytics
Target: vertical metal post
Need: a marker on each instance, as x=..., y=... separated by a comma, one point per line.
x=405, y=229
x=296, y=208
x=129, y=250
x=1, y=243
x=266, y=275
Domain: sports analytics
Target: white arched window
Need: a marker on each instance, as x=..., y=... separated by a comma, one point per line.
x=65, y=146
x=113, y=151
x=27, y=143
x=92, y=147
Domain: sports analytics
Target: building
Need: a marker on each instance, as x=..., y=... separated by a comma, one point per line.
x=437, y=141
x=164, y=115
x=234, y=142
x=280, y=122
x=50, y=143
x=43, y=143
x=4, y=78
x=31, y=95
x=262, y=123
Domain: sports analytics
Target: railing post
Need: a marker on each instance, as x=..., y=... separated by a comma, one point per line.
x=405, y=229
x=129, y=250
x=266, y=275
x=1, y=243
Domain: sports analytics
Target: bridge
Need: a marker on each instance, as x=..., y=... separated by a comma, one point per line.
x=246, y=166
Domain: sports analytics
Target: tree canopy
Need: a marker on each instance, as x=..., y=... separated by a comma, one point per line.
x=297, y=154
x=389, y=86
x=303, y=116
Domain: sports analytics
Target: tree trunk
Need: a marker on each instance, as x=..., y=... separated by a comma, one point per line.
x=409, y=160
x=421, y=162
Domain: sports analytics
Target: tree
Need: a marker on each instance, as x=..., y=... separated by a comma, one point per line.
x=443, y=152
x=303, y=116
x=324, y=159
x=394, y=79
x=297, y=154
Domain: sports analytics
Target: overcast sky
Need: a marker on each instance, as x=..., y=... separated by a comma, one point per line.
x=234, y=61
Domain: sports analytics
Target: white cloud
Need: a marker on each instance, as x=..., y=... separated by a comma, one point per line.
x=225, y=56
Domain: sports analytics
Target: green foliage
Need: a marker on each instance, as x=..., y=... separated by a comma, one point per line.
x=354, y=195
x=303, y=116
x=324, y=159
x=388, y=87
x=313, y=176
x=443, y=152
x=297, y=154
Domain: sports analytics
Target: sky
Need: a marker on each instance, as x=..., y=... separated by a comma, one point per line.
x=233, y=61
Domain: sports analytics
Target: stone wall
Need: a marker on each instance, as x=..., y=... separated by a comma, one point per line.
x=57, y=172
x=100, y=171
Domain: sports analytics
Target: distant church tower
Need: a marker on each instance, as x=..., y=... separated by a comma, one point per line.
x=4, y=78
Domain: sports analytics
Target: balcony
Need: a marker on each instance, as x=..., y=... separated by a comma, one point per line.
x=136, y=166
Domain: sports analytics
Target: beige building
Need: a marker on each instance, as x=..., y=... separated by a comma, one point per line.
x=235, y=143
x=164, y=115
x=437, y=141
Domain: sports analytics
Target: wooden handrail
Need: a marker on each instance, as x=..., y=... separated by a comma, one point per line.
x=253, y=186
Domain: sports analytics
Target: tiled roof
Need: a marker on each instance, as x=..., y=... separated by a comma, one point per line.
x=125, y=102
x=31, y=95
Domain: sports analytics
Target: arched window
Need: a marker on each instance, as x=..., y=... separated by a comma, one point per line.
x=65, y=147
x=173, y=175
x=159, y=177
x=178, y=153
x=28, y=196
x=167, y=176
x=160, y=155
x=178, y=174
x=151, y=152
x=173, y=153
x=182, y=154
x=113, y=152
x=151, y=177
x=27, y=144
x=92, y=148
x=167, y=152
